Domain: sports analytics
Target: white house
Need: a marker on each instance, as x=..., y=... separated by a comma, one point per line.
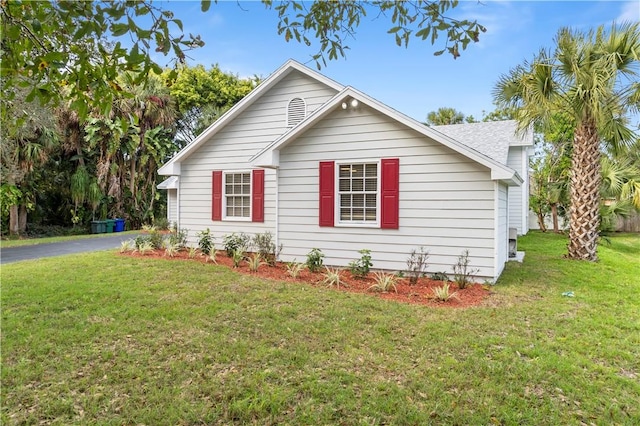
x=325, y=166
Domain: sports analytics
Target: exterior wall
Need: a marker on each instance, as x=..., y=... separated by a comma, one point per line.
x=172, y=206
x=502, y=228
x=446, y=200
x=232, y=147
x=519, y=195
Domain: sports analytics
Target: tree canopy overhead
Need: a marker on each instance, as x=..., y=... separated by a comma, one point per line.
x=75, y=49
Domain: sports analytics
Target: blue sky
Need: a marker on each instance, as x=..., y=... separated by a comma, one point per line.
x=243, y=40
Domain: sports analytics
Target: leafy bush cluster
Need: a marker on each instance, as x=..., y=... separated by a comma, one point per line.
x=315, y=260
x=360, y=267
x=205, y=242
x=236, y=243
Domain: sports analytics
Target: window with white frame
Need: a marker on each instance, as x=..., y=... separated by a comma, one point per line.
x=358, y=192
x=237, y=195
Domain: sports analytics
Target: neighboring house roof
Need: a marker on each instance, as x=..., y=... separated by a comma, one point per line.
x=491, y=138
x=172, y=167
x=169, y=183
x=269, y=156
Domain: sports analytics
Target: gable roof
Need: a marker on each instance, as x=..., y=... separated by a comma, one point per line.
x=269, y=156
x=172, y=167
x=492, y=138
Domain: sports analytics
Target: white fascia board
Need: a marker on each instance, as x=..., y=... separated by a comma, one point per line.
x=247, y=101
x=170, y=169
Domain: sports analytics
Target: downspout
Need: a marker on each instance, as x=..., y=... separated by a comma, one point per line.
x=496, y=227
x=178, y=204
x=277, y=227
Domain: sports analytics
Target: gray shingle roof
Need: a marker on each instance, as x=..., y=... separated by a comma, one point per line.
x=491, y=138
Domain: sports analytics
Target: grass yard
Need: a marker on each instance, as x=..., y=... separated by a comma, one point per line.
x=110, y=340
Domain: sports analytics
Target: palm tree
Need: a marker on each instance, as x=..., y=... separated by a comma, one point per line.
x=444, y=116
x=592, y=77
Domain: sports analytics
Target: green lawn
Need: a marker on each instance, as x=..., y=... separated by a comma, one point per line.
x=110, y=340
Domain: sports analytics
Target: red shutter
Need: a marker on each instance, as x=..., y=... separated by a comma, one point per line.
x=257, y=196
x=390, y=196
x=216, y=195
x=327, y=188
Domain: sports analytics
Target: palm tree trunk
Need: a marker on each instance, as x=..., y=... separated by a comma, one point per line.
x=554, y=217
x=585, y=193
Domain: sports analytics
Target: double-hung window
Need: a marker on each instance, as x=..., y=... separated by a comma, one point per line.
x=237, y=195
x=364, y=193
x=358, y=193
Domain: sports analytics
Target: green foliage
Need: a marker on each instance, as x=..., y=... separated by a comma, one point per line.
x=205, y=241
x=193, y=252
x=439, y=276
x=171, y=250
x=444, y=116
x=202, y=95
x=266, y=246
x=294, y=268
x=127, y=245
x=156, y=238
x=443, y=293
x=332, y=22
x=237, y=256
x=76, y=50
x=212, y=257
x=417, y=264
x=161, y=223
x=384, y=282
x=590, y=77
x=462, y=271
x=234, y=242
x=331, y=277
x=255, y=262
x=178, y=237
x=315, y=260
x=145, y=247
x=360, y=267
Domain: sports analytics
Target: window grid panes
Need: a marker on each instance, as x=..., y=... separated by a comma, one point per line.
x=237, y=191
x=358, y=191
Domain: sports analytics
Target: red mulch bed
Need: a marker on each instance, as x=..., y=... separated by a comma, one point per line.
x=420, y=293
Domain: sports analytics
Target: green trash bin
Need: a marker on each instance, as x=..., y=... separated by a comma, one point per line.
x=111, y=223
x=95, y=227
x=100, y=226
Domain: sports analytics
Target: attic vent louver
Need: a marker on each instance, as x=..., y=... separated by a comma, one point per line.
x=296, y=111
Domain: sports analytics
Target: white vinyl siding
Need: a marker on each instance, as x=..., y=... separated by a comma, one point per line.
x=519, y=195
x=446, y=200
x=231, y=148
x=502, y=226
x=172, y=206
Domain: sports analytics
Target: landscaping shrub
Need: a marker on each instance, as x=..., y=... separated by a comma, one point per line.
x=360, y=267
x=315, y=260
x=205, y=241
x=233, y=242
x=266, y=246
x=417, y=264
x=462, y=272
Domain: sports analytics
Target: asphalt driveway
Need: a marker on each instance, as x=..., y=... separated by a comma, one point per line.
x=16, y=254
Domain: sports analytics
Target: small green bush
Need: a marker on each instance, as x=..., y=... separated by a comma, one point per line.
x=178, y=237
x=255, y=262
x=161, y=223
x=205, y=241
x=315, y=260
x=294, y=268
x=237, y=256
x=443, y=294
x=233, y=242
x=265, y=245
x=360, y=267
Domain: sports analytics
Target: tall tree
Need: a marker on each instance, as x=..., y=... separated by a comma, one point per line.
x=592, y=77
x=28, y=134
x=202, y=95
